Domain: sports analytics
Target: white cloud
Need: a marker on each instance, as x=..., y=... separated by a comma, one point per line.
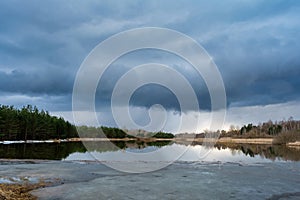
x=237, y=116
x=255, y=114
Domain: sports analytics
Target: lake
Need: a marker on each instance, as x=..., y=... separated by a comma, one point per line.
x=77, y=151
x=230, y=171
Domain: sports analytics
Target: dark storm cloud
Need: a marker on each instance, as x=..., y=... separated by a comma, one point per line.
x=259, y=61
x=51, y=82
x=255, y=45
x=264, y=88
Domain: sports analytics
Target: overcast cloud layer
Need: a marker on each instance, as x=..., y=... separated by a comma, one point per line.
x=255, y=45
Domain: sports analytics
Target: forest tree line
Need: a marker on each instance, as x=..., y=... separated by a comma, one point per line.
x=265, y=129
x=30, y=123
x=111, y=132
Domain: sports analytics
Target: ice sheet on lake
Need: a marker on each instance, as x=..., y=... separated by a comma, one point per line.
x=181, y=180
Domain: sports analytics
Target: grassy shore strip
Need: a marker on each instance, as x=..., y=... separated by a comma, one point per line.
x=231, y=140
x=220, y=140
x=99, y=139
x=19, y=191
x=246, y=140
x=118, y=139
x=293, y=143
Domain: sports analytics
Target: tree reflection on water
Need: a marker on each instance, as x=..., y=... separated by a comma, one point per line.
x=59, y=151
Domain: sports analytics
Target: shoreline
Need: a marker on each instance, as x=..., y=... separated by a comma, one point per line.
x=224, y=140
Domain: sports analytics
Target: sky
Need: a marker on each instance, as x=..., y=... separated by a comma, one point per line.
x=255, y=45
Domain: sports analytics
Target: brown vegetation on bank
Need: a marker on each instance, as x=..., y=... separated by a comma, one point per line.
x=287, y=137
x=19, y=191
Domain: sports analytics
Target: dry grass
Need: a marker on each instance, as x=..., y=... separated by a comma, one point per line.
x=19, y=191
x=287, y=137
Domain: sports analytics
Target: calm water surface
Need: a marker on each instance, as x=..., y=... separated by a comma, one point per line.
x=227, y=172
x=103, y=151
